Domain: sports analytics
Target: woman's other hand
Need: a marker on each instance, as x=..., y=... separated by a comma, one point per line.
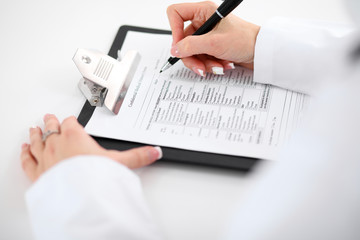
x=69, y=140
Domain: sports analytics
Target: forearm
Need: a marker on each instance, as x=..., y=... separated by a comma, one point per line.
x=89, y=197
x=299, y=55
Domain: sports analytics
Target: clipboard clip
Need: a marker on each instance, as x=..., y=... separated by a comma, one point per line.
x=105, y=80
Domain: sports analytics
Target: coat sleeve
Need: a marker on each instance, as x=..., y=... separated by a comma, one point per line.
x=313, y=191
x=89, y=197
x=300, y=55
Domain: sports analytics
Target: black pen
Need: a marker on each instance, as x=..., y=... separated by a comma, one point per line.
x=222, y=11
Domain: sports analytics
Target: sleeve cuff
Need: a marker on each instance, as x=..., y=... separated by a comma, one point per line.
x=300, y=55
x=77, y=168
x=89, y=197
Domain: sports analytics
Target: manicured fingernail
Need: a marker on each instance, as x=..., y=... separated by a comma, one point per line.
x=231, y=65
x=46, y=116
x=175, y=51
x=218, y=70
x=155, y=153
x=160, y=153
x=32, y=128
x=199, y=71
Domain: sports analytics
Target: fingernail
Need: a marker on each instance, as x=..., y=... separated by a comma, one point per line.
x=175, y=51
x=155, y=153
x=24, y=146
x=218, y=70
x=199, y=71
x=32, y=128
x=231, y=65
x=46, y=116
x=160, y=153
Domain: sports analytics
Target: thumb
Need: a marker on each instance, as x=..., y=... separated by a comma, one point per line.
x=194, y=45
x=137, y=157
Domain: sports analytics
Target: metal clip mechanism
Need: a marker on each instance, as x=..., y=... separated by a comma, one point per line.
x=105, y=80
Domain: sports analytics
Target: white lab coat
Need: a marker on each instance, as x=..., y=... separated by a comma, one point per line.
x=313, y=192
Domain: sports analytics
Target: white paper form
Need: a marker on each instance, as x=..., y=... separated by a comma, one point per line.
x=228, y=114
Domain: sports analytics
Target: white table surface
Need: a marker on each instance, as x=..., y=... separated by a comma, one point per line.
x=37, y=43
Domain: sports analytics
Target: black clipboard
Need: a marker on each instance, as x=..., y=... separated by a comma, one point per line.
x=169, y=154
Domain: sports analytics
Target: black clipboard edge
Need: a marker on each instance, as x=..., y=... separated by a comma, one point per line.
x=169, y=154
x=186, y=156
x=121, y=35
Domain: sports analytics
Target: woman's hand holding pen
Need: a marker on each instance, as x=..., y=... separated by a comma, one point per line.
x=231, y=41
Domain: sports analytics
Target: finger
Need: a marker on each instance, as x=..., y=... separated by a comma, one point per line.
x=189, y=30
x=36, y=143
x=137, y=157
x=203, y=63
x=28, y=163
x=194, y=64
x=51, y=123
x=180, y=13
x=70, y=123
x=177, y=15
x=209, y=44
x=212, y=65
x=247, y=65
x=71, y=129
x=227, y=64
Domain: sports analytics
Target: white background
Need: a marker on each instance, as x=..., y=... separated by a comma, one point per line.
x=37, y=42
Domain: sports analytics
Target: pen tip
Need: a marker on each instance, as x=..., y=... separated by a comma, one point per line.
x=160, y=71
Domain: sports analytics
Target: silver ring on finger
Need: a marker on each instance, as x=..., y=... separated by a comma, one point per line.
x=48, y=133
